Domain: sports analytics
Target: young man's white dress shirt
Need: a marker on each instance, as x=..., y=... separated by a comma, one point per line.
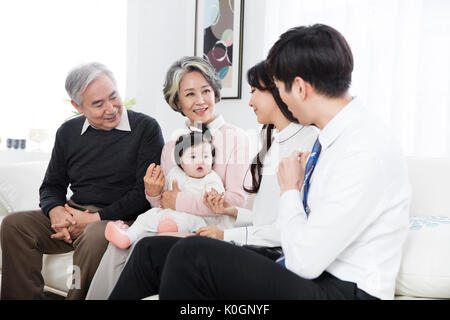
x=359, y=199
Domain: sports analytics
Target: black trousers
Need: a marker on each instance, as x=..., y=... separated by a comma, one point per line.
x=203, y=268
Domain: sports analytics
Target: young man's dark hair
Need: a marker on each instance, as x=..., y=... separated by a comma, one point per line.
x=318, y=54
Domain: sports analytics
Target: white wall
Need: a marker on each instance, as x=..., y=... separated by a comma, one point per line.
x=40, y=42
x=160, y=32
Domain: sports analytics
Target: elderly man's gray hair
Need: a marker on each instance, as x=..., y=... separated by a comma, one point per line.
x=80, y=77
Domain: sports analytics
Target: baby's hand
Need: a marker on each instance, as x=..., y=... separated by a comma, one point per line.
x=216, y=203
x=209, y=200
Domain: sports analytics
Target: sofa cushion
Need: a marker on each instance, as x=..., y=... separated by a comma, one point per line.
x=19, y=191
x=3, y=210
x=425, y=270
x=19, y=185
x=430, y=182
x=57, y=270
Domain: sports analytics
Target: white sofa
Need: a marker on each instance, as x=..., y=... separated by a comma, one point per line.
x=425, y=270
x=20, y=180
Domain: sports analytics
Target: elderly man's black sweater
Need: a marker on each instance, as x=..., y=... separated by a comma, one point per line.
x=103, y=168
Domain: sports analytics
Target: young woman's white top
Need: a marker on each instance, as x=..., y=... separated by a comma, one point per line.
x=257, y=226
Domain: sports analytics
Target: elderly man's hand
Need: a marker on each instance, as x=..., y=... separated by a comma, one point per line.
x=82, y=219
x=79, y=221
x=60, y=221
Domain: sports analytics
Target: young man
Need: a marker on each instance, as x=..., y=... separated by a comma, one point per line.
x=343, y=212
x=103, y=155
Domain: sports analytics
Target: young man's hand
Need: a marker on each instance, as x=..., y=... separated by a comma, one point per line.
x=291, y=171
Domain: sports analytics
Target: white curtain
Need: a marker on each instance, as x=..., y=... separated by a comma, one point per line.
x=40, y=42
x=401, y=50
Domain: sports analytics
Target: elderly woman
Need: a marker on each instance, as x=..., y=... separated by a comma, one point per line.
x=192, y=87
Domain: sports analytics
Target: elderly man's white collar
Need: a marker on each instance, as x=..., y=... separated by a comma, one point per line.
x=213, y=126
x=124, y=124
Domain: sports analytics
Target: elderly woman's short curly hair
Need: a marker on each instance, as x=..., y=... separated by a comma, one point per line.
x=185, y=65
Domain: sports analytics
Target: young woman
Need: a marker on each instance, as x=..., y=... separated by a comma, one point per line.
x=281, y=134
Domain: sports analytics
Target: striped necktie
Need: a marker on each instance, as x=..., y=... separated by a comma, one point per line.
x=310, y=165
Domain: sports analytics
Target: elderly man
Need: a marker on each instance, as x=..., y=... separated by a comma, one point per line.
x=103, y=155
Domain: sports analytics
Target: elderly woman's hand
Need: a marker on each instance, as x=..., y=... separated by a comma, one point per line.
x=169, y=197
x=154, y=180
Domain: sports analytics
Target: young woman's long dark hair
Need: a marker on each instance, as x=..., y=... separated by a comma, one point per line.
x=258, y=78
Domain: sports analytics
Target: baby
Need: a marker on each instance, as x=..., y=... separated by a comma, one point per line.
x=194, y=154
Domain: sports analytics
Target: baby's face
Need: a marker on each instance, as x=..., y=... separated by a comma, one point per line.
x=197, y=160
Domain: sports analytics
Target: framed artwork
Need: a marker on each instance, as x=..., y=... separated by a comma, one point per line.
x=218, y=39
